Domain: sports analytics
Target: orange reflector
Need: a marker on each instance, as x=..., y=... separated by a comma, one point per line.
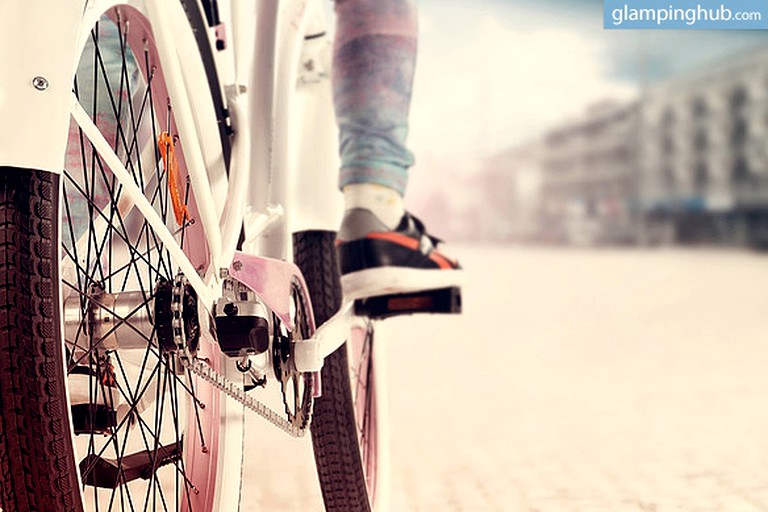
x=410, y=303
x=108, y=375
x=171, y=164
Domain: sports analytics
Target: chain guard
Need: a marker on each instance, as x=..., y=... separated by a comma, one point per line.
x=297, y=389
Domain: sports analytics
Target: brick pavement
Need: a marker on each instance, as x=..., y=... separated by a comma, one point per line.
x=576, y=381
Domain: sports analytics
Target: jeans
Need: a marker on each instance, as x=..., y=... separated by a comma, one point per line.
x=373, y=67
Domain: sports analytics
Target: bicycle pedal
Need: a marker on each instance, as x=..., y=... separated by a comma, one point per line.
x=107, y=473
x=443, y=300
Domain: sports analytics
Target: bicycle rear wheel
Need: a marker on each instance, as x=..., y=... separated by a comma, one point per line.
x=97, y=414
x=346, y=424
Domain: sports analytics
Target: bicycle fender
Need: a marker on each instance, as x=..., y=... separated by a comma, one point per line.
x=38, y=59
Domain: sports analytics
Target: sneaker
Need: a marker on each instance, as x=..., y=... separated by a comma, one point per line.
x=376, y=260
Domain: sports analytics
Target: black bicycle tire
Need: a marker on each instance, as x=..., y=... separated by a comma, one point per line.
x=38, y=474
x=334, y=429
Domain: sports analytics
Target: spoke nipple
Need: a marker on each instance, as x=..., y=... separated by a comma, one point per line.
x=205, y=449
x=202, y=405
x=196, y=490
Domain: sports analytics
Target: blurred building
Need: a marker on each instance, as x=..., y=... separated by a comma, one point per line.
x=703, y=166
x=588, y=172
x=513, y=192
x=686, y=162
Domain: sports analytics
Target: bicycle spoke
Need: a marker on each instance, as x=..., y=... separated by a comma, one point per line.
x=176, y=418
x=121, y=246
x=123, y=237
x=197, y=413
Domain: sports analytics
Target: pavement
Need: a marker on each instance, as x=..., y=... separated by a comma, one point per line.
x=576, y=380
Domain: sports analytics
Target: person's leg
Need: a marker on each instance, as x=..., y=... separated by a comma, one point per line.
x=382, y=249
x=373, y=68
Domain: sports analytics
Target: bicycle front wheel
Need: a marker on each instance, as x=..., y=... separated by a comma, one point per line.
x=97, y=413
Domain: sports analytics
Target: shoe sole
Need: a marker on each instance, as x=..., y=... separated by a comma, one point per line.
x=390, y=280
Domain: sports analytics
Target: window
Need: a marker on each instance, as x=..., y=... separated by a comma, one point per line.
x=701, y=140
x=739, y=132
x=700, y=108
x=740, y=173
x=739, y=98
x=668, y=117
x=700, y=177
x=668, y=178
x=667, y=145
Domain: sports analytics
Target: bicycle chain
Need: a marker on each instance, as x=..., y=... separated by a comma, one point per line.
x=235, y=391
x=220, y=382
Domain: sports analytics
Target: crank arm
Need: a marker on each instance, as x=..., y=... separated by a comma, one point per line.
x=309, y=354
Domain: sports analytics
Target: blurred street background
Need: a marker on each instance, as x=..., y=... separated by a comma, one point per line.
x=608, y=194
x=576, y=380
x=532, y=123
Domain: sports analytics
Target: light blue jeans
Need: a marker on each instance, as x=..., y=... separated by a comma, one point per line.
x=373, y=67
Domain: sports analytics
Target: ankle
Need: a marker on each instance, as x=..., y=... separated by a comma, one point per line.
x=385, y=203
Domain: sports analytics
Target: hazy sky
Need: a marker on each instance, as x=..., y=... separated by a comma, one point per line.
x=493, y=73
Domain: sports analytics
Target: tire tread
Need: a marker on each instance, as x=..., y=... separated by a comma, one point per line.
x=334, y=430
x=37, y=470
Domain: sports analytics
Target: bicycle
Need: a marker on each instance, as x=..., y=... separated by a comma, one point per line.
x=147, y=297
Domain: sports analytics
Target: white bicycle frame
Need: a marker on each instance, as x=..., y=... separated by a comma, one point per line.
x=263, y=186
x=284, y=164
x=283, y=173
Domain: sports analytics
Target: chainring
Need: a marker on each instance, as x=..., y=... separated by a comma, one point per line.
x=296, y=387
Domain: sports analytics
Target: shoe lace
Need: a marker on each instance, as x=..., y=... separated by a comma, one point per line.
x=421, y=229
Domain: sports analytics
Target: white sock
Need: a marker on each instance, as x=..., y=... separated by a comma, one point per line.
x=385, y=203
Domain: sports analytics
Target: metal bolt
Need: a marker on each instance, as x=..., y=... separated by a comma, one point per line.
x=237, y=265
x=40, y=83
